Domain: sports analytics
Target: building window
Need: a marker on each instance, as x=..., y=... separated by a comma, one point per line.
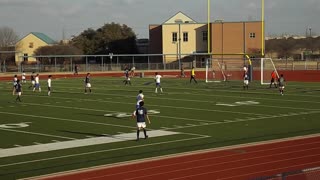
x=174, y=37
x=205, y=35
x=25, y=58
x=252, y=35
x=31, y=45
x=185, y=37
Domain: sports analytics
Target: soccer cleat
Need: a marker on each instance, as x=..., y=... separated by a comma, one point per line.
x=146, y=137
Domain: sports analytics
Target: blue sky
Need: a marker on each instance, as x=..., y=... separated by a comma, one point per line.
x=74, y=16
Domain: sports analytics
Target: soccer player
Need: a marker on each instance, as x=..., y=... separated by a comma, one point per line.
x=182, y=74
x=37, y=84
x=140, y=97
x=33, y=82
x=157, y=80
x=141, y=114
x=273, y=79
x=281, y=84
x=76, y=69
x=246, y=81
x=23, y=77
x=87, y=83
x=193, y=75
x=127, y=76
x=15, y=79
x=49, y=85
x=132, y=71
x=18, y=90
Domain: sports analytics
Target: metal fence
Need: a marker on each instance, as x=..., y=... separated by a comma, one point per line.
x=90, y=63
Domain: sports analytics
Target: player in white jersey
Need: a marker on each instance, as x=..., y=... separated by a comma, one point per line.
x=157, y=80
x=246, y=81
x=23, y=77
x=37, y=84
x=140, y=97
x=49, y=85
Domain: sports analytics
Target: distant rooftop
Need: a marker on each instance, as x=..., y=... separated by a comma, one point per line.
x=43, y=37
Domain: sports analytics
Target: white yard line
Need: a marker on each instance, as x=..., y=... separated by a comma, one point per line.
x=172, y=107
x=99, y=110
x=101, y=151
x=207, y=90
x=63, y=119
x=38, y=134
x=244, y=120
x=79, y=143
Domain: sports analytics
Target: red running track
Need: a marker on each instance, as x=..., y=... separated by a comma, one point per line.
x=237, y=163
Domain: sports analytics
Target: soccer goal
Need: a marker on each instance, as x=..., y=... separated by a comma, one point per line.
x=214, y=71
x=267, y=67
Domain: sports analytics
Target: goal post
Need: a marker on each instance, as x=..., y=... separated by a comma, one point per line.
x=214, y=71
x=267, y=67
x=225, y=67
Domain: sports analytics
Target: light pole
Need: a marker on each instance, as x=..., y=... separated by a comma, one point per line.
x=208, y=33
x=179, y=22
x=262, y=29
x=179, y=45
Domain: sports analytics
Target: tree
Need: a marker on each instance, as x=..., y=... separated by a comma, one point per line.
x=58, y=50
x=110, y=38
x=8, y=39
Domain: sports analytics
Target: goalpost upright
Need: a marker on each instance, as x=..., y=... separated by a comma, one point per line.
x=267, y=68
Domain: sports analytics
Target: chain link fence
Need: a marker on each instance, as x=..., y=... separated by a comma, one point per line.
x=90, y=63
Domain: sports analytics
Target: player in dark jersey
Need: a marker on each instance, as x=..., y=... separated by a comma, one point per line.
x=18, y=89
x=87, y=84
x=141, y=114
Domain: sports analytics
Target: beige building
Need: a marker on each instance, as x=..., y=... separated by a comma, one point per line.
x=28, y=44
x=180, y=36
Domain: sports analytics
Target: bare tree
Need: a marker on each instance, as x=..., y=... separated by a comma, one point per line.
x=8, y=37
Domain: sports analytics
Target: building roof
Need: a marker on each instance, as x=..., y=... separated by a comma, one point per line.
x=43, y=37
x=179, y=17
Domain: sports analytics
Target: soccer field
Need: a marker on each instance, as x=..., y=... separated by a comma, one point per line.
x=71, y=130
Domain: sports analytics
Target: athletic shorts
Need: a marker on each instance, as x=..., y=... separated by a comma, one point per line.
x=141, y=124
x=18, y=93
x=37, y=85
x=33, y=82
x=158, y=85
x=246, y=82
x=88, y=85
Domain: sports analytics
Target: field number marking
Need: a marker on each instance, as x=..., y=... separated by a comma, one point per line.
x=239, y=103
x=15, y=126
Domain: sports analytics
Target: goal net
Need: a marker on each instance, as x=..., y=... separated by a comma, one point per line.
x=267, y=67
x=214, y=71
